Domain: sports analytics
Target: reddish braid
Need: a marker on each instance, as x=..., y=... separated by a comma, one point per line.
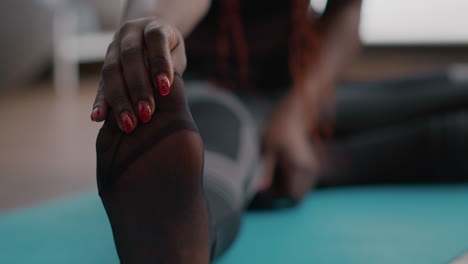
x=231, y=24
x=304, y=41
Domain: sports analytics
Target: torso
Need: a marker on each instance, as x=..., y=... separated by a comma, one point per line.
x=266, y=25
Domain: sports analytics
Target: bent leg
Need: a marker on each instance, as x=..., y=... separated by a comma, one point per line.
x=231, y=159
x=387, y=104
x=428, y=150
x=413, y=130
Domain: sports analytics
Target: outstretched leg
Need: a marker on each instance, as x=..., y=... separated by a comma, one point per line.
x=405, y=131
x=150, y=182
x=427, y=150
x=387, y=104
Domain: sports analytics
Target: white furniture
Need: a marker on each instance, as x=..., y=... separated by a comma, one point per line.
x=72, y=48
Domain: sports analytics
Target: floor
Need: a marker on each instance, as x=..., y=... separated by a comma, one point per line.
x=47, y=145
x=47, y=142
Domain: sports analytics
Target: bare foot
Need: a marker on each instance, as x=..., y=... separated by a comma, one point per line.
x=150, y=182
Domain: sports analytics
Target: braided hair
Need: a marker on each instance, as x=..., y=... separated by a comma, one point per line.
x=303, y=41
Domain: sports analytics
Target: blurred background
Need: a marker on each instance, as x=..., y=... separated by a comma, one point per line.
x=52, y=50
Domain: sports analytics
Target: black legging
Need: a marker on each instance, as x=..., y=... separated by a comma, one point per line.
x=413, y=130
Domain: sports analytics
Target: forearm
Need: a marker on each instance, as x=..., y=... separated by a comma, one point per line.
x=184, y=14
x=340, y=43
x=339, y=30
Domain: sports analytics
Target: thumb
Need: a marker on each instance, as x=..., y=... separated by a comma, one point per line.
x=269, y=164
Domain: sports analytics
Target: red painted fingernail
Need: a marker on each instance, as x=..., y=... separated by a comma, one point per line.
x=144, y=112
x=127, y=123
x=95, y=113
x=164, y=85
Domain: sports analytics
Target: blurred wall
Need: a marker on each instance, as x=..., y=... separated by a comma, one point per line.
x=109, y=12
x=26, y=27
x=26, y=30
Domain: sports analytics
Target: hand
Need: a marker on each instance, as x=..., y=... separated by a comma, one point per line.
x=144, y=54
x=287, y=150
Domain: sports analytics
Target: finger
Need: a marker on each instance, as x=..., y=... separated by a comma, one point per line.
x=303, y=162
x=99, y=112
x=269, y=162
x=115, y=92
x=295, y=185
x=297, y=181
x=303, y=184
x=136, y=74
x=159, y=53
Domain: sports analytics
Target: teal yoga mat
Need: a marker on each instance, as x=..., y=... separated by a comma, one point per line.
x=380, y=224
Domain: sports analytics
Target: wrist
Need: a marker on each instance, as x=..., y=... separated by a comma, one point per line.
x=138, y=9
x=313, y=100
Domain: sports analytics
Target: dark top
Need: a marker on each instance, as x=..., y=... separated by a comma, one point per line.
x=266, y=24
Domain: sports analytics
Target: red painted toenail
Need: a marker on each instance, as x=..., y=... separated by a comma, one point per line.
x=144, y=112
x=127, y=123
